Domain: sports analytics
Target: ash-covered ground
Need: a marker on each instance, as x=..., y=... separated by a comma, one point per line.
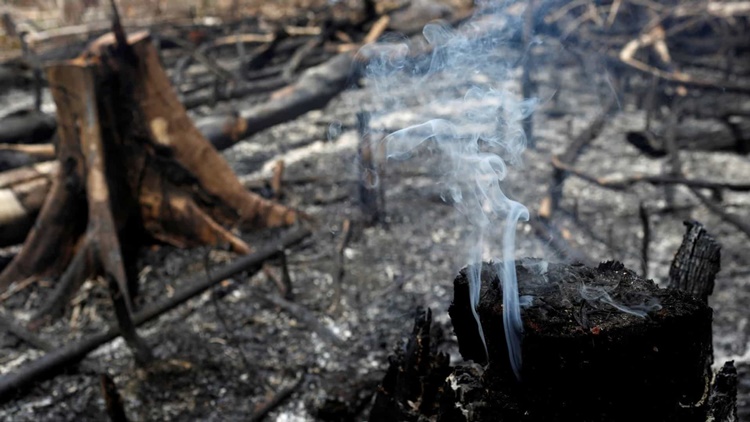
x=226, y=353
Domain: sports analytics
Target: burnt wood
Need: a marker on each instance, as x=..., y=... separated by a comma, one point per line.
x=586, y=354
x=27, y=127
x=414, y=381
x=696, y=263
x=599, y=344
x=722, y=402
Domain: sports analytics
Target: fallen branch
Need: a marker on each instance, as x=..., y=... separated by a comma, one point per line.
x=646, y=241
x=28, y=127
x=18, y=155
x=620, y=182
x=315, y=88
x=262, y=410
x=282, y=280
x=552, y=201
x=305, y=316
x=8, y=325
x=112, y=399
x=735, y=220
x=555, y=239
x=42, y=151
x=14, y=384
x=339, y=271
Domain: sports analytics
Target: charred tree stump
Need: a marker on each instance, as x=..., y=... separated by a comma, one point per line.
x=599, y=344
x=132, y=168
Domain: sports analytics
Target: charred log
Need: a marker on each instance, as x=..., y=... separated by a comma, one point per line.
x=314, y=89
x=27, y=127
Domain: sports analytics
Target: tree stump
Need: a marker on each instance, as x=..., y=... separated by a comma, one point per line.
x=133, y=168
x=599, y=344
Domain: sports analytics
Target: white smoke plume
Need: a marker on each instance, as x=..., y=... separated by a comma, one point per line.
x=475, y=126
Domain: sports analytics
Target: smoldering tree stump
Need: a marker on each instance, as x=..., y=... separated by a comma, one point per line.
x=599, y=344
x=133, y=168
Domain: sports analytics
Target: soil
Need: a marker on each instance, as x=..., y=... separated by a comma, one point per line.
x=228, y=352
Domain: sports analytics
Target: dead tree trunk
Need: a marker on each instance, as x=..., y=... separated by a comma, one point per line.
x=132, y=167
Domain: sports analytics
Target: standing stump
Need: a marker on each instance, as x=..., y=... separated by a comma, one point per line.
x=133, y=170
x=599, y=344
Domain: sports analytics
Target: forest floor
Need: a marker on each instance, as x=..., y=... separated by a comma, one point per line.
x=227, y=352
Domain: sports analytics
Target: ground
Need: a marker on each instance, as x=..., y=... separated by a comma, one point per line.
x=225, y=353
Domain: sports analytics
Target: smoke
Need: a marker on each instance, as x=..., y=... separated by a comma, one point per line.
x=474, y=125
x=639, y=307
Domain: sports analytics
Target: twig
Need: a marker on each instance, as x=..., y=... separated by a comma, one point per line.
x=547, y=232
x=377, y=29
x=527, y=85
x=735, y=220
x=14, y=384
x=112, y=399
x=44, y=151
x=551, y=202
x=284, y=281
x=339, y=270
x=199, y=56
x=23, y=334
x=296, y=60
x=670, y=142
x=368, y=177
x=619, y=182
x=264, y=408
x=613, y=10
x=28, y=54
x=37, y=72
x=306, y=317
x=277, y=179
x=17, y=287
x=643, y=214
